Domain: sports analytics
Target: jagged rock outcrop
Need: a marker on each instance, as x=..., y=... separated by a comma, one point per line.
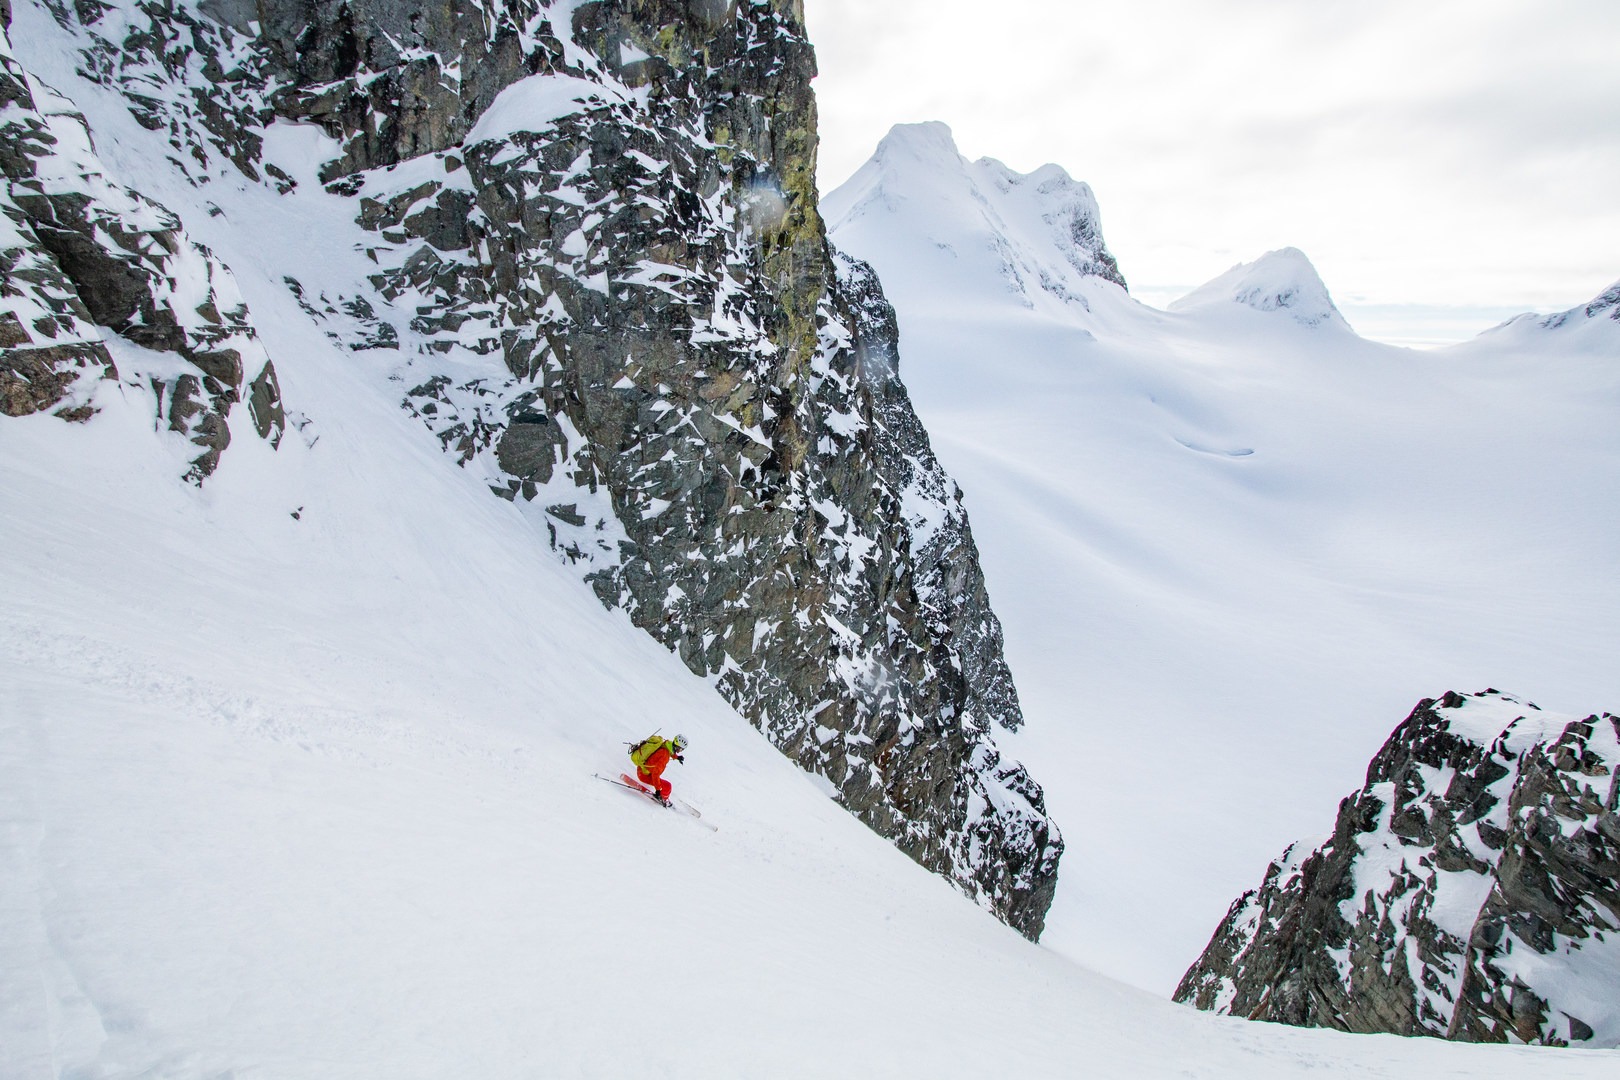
x=599, y=265
x=1605, y=305
x=1471, y=890
x=82, y=252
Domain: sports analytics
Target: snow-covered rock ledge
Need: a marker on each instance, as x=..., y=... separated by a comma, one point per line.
x=90, y=268
x=1470, y=890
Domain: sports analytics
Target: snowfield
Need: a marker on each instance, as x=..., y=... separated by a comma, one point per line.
x=1232, y=543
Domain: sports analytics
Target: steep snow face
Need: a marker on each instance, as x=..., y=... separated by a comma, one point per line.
x=1470, y=889
x=296, y=767
x=996, y=233
x=1225, y=545
x=1281, y=281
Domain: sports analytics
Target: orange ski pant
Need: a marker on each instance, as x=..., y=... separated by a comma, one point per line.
x=652, y=772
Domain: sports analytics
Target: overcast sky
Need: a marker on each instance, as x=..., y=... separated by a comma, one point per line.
x=1439, y=152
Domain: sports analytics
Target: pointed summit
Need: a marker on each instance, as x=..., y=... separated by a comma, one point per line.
x=913, y=163
x=988, y=230
x=930, y=142
x=1283, y=280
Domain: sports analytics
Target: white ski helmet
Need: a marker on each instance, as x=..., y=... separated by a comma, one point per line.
x=680, y=743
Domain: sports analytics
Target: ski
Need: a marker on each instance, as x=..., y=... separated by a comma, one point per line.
x=626, y=780
x=680, y=806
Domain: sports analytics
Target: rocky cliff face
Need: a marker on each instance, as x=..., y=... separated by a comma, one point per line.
x=1471, y=890
x=598, y=268
x=81, y=254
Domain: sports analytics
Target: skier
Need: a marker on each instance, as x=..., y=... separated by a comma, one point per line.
x=651, y=755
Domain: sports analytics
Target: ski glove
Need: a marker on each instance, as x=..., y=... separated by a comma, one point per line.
x=680, y=758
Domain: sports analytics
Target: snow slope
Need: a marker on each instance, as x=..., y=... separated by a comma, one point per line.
x=312, y=798
x=1232, y=542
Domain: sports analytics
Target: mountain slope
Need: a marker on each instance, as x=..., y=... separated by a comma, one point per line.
x=1225, y=543
x=311, y=797
x=580, y=243
x=295, y=765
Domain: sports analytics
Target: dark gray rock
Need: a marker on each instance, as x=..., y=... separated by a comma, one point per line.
x=32, y=380
x=532, y=445
x=47, y=338
x=265, y=406
x=1471, y=890
x=95, y=252
x=395, y=79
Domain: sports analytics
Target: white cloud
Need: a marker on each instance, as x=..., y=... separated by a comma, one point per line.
x=1445, y=153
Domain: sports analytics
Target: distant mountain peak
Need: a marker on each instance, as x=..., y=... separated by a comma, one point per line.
x=1282, y=280
x=930, y=138
x=1043, y=228
x=1603, y=307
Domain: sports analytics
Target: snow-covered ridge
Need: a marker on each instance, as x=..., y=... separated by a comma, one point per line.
x=1041, y=232
x=1471, y=890
x=1596, y=322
